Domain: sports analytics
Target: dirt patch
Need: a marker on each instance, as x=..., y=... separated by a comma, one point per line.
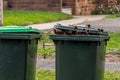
x=110, y=57
x=46, y=57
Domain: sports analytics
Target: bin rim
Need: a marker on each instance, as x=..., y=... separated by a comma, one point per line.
x=20, y=36
x=80, y=37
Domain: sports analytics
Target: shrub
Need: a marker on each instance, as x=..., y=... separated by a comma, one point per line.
x=118, y=1
x=107, y=10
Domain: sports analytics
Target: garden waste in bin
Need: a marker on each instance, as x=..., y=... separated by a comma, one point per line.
x=80, y=52
x=18, y=48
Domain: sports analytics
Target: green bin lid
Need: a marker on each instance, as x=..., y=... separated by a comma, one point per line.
x=18, y=29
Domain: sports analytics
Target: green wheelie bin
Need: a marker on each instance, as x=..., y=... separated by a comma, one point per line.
x=18, y=48
x=80, y=52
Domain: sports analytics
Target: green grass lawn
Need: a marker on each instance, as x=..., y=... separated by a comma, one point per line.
x=24, y=17
x=112, y=75
x=50, y=75
x=114, y=43
x=113, y=15
x=45, y=50
x=45, y=75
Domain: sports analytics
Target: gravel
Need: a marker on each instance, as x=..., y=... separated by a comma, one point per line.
x=112, y=66
x=48, y=64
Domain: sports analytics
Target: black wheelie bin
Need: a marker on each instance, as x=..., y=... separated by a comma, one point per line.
x=80, y=52
x=18, y=48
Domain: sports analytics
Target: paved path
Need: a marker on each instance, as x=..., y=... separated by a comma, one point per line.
x=75, y=20
x=112, y=25
x=50, y=65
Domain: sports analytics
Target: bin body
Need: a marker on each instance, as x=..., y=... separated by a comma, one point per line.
x=79, y=57
x=18, y=55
